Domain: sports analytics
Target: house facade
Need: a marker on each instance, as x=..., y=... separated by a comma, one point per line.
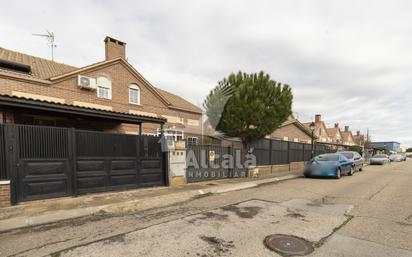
x=320, y=130
x=347, y=136
x=112, y=85
x=335, y=134
x=359, y=139
x=293, y=130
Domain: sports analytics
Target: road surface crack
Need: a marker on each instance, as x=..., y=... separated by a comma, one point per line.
x=377, y=192
x=41, y=246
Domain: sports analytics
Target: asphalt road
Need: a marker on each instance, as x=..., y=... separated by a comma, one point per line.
x=368, y=214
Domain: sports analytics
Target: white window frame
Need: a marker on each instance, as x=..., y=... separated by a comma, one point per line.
x=103, y=82
x=136, y=88
x=171, y=134
x=192, y=140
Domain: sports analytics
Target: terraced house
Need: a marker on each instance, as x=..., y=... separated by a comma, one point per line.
x=64, y=121
x=112, y=85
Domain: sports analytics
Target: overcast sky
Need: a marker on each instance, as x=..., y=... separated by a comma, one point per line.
x=350, y=61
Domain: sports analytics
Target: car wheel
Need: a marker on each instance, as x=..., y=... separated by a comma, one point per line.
x=361, y=167
x=338, y=174
x=352, y=170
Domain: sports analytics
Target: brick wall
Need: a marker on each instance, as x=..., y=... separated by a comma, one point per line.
x=297, y=166
x=4, y=193
x=267, y=170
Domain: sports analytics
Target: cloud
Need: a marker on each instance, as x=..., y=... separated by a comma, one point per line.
x=348, y=60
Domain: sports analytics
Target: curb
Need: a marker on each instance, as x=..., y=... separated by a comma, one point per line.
x=114, y=208
x=243, y=185
x=135, y=205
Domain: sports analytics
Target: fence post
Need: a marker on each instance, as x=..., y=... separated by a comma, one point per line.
x=270, y=155
x=231, y=169
x=73, y=159
x=10, y=136
x=138, y=155
x=303, y=152
x=288, y=155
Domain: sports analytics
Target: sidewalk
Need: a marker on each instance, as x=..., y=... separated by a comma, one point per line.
x=53, y=210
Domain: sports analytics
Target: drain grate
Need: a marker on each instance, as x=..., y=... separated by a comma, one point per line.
x=288, y=245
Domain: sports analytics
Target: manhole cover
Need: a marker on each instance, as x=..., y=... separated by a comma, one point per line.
x=288, y=245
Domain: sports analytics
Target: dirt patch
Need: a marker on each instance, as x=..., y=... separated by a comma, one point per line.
x=294, y=214
x=404, y=224
x=220, y=247
x=115, y=239
x=314, y=204
x=209, y=215
x=244, y=212
x=64, y=223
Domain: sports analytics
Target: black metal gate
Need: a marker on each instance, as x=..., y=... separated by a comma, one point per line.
x=210, y=162
x=43, y=162
x=46, y=162
x=107, y=161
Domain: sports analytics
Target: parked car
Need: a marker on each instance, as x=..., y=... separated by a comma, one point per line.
x=356, y=158
x=409, y=155
x=379, y=159
x=395, y=158
x=403, y=155
x=329, y=165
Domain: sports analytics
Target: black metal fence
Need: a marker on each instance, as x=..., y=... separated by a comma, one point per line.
x=210, y=162
x=275, y=152
x=45, y=162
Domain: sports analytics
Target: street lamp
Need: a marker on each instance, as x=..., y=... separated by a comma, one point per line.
x=312, y=127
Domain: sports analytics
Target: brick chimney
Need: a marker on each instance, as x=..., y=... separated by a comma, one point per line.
x=346, y=128
x=318, y=118
x=114, y=48
x=336, y=125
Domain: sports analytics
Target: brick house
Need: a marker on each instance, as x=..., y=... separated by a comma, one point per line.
x=335, y=134
x=52, y=116
x=112, y=85
x=293, y=130
x=359, y=139
x=320, y=129
x=347, y=136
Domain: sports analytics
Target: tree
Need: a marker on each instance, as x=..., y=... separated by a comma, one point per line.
x=248, y=106
x=409, y=150
x=355, y=148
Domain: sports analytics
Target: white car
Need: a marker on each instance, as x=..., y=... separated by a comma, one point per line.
x=380, y=159
x=395, y=158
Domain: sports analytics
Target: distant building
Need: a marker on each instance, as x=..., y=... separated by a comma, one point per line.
x=359, y=138
x=320, y=129
x=389, y=146
x=335, y=134
x=293, y=130
x=347, y=136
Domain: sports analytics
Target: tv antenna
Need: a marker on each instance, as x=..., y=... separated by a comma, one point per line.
x=50, y=39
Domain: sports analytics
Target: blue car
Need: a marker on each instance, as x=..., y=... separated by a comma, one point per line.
x=329, y=165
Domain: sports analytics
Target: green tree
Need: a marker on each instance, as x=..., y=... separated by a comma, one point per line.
x=355, y=148
x=248, y=106
x=409, y=150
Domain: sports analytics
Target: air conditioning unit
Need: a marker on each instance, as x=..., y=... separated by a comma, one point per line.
x=86, y=82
